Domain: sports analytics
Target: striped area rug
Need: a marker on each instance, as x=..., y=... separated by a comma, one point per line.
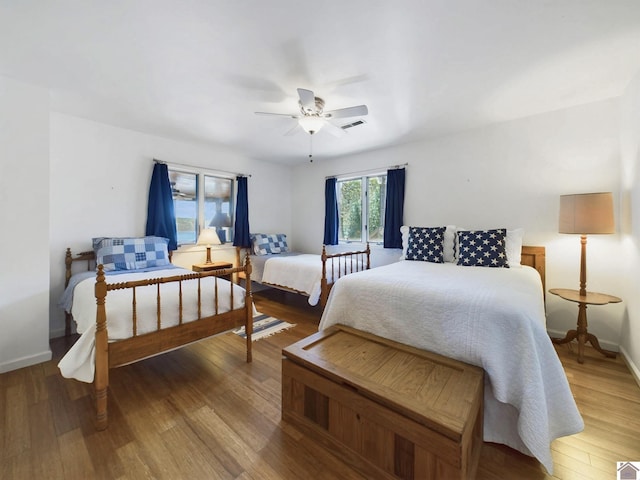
x=264, y=326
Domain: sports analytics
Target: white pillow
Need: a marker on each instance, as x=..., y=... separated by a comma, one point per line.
x=404, y=230
x=449, y=243
x=448, y=246
x=513, y=246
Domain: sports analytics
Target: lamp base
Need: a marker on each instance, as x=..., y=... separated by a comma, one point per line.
x=208, y=254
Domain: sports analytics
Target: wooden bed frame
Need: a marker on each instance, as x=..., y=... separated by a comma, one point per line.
x=138, y=347
x=339, y=264
x=535, y=257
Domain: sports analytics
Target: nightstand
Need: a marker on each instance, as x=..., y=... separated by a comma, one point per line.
x=581, y=333
x=208, y=267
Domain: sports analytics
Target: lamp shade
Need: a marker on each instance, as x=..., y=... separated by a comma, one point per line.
x=208, y=236
x=311, y=123
x=586, y=213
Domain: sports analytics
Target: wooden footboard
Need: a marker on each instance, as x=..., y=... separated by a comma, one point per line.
x=339, y=265
x=163, y=338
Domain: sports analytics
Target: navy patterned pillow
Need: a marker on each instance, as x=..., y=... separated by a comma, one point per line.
x=482, y=248
x=426, y=244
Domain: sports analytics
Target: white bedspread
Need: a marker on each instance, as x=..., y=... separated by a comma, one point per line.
x=302, y=273
x=490, y=317
x=79, y=362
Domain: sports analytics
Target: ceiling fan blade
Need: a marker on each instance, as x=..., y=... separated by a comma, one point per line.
x=356, y=111
x=278, y=114
x=292, y=131
x=307, y=100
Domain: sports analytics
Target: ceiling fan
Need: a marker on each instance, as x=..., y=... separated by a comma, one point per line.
x=312, y=116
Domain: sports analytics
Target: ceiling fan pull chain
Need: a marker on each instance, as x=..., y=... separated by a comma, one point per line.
x=311, y=148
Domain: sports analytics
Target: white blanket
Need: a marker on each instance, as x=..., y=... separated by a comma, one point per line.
x=490, y=317
x=302, y=273
x=79, y=361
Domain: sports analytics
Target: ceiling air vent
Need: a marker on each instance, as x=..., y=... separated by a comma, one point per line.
x=351, y=125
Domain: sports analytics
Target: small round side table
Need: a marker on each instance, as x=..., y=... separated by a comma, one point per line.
x=581, y=333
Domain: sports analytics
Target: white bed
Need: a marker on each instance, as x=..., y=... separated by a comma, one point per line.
x=307, y=274
x=136, y=304
x=79, y=361
x=490, y=317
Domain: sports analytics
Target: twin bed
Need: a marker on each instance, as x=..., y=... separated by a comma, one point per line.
x=138, y=305
x=274, y=265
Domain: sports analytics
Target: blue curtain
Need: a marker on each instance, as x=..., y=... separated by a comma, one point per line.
x=241, y=227
x=394, y=208
x=161, y=218
x=330, y=212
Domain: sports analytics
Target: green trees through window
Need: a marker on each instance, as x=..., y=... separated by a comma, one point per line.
x=361, y=203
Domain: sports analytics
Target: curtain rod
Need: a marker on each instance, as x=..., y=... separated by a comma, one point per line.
x=193, y=166
x=394, y=167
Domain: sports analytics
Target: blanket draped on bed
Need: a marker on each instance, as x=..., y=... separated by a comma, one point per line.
x=300, y=272
x=490, y=317
x=79, y=362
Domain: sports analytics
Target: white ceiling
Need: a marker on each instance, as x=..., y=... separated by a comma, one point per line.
x=198, y=69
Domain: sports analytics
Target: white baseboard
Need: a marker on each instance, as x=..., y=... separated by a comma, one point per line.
x=614, y=347
x=25, y=361
x=632, y=366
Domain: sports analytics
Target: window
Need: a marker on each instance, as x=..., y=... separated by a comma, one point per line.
x=361, y=204
x=202, y=200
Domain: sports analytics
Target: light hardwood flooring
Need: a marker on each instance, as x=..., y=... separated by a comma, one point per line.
x=201, y=412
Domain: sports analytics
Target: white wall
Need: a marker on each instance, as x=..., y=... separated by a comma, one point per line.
x=100, y=178
x=505, y=175
x=630, y=221
x=24, y=216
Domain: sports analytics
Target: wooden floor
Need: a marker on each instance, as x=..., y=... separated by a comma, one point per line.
x=203, y=413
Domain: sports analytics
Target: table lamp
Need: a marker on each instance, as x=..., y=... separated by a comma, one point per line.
x=586, y=214
x=208, y=237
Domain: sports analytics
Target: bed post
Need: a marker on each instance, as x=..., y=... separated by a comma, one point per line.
x=248, y=303
x=368, y=250
x=101, y=378
x=324, y=286
x=236, y=277
x=68, y=260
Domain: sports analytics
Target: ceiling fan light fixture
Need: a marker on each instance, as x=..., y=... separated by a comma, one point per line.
x=311, y=123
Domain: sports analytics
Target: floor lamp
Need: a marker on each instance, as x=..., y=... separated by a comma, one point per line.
x=585, y=214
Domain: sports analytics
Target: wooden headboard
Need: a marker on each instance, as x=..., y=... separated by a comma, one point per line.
x=535, y=257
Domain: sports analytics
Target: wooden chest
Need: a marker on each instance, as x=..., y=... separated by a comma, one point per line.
x=389, y=410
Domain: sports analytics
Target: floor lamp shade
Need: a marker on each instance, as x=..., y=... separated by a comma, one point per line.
x=586, y=213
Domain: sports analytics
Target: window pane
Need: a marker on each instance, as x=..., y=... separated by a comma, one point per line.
x=218, y=193
x=376, y=197
x=350, y=210
x=185, y=203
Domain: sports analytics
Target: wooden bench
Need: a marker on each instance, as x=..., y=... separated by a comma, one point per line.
x=388, y=410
